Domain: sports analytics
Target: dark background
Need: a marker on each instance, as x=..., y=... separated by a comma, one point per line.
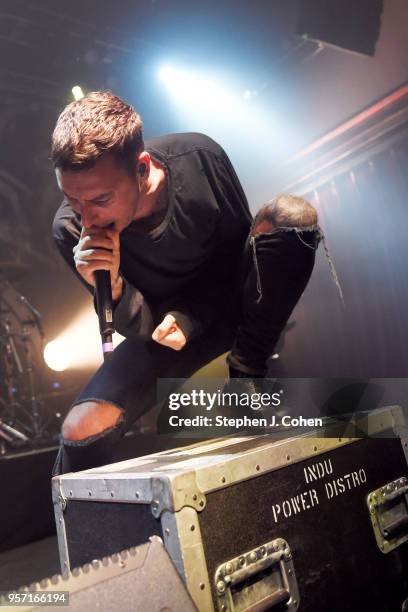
x=301, y=90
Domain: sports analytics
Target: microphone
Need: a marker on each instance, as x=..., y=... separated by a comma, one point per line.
x=105, y=310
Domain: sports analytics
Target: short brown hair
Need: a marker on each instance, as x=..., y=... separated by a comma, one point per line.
x=98, y=124
x=291, y=211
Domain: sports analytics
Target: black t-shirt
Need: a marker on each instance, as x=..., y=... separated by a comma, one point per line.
x=188, y=264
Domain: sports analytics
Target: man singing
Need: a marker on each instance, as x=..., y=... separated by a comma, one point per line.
x=192, y=275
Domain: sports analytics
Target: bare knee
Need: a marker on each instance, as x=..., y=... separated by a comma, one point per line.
x=89, y=419
x=285, y=211
x=263, y=222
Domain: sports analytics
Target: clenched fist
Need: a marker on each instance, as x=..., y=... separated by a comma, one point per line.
x=99, y=249
x=168, y=333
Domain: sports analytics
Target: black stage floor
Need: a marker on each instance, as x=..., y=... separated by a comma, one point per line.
x=30, y=563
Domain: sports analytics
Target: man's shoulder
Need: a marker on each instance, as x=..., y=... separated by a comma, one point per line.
x=173, y=145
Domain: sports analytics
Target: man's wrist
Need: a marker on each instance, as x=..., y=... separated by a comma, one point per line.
x=117, y=289
x=184, y=321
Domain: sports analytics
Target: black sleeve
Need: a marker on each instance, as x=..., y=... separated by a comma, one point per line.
x=132, y=315
x=199, y=305
x=208, y=297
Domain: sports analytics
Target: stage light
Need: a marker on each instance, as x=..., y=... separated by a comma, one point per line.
x=79, y=345
x=219, y=104
x=55, y=356
x=189, y=85
x=165, y=73
x=249, y=94
x=77, y=92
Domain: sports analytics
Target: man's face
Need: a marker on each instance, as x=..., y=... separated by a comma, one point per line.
x=104, y=195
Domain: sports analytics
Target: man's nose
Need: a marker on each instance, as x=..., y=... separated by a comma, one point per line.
x=87, y=217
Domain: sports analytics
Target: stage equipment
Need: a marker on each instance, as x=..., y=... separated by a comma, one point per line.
x=347, y=24
x=314, y=521
x=77, y=92
x=20, y=414
x=141, y=578
x=27, y=474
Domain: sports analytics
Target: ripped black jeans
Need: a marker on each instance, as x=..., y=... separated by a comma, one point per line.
x=275, y=270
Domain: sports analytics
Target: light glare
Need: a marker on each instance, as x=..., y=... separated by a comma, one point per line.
x=190, y=85
x=211, y=105
x=77, y=92
x=78, y=346
x=56, y=356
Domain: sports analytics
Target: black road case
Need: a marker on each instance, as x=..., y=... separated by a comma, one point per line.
x=315, y=522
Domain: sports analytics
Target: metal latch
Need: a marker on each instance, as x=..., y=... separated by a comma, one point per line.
x=260, y=579
x=388, y=507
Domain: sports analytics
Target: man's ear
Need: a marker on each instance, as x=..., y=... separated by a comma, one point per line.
x=143, y=164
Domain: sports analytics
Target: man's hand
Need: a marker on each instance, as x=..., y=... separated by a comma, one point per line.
x=99, y=249
x=168, y=333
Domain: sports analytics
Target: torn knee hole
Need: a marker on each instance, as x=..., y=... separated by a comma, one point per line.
x=89, y=420
x=262, y=226
x=263, y=222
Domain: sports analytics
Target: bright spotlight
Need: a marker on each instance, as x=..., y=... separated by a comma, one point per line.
x=188, y=84
x=79, y=345
x=165, y=73
x=77, y=92
x=249, y=94
x=56, y=357
x=214, y=102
